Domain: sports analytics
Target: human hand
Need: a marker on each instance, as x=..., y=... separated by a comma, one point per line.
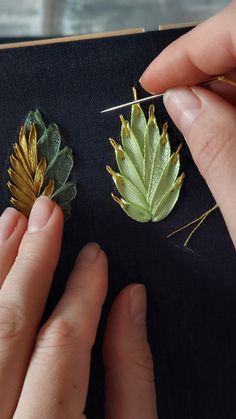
x=45, y=374
x=207, y=118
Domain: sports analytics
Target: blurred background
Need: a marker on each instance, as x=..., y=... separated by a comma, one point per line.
x=69, y=17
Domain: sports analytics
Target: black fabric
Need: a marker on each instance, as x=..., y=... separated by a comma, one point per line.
x=191, y=292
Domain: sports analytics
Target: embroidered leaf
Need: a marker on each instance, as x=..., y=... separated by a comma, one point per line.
x=166, y=180
x=127, y=189
x=131, y=145
x=59, y=169
x=36, y=119
x=160, y=159
x=168, y=201
x=132, y=210
x=126, y=166
x=151, y=143
x=39, y=167
x=65, y=193
x=148, y=181
x=138, y=122
x=49, y=143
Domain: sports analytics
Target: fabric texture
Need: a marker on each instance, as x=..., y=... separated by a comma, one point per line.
x=191, y=291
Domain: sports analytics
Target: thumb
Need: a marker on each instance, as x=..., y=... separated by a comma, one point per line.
x=130, y=389
x=208, y=124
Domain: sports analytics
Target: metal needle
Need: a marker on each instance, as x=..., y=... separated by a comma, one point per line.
x=133, y=102
x=145, y=99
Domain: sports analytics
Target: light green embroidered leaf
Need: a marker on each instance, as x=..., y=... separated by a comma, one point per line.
x=127, y=189
x=138, y=125
x=126, y=166
x=151, y=142
x=65, y=193
x=161, y=158
x=34, y=117
x=167, y=179
x=135, y=212
x=168, y=201
x=138, y=122
x=59, y=169
x=131, y=146
x=148, y=181
x=49, y=143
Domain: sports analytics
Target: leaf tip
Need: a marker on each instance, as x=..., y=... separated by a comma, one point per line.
x=134, y=90
x=120, y=201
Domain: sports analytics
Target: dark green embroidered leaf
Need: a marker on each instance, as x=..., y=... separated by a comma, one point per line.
x=65, y=193
x=36, y=118
x=49, y=143
x=59, y=169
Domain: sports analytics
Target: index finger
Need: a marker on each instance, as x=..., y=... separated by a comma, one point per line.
x=207, y=50
x=57, y=379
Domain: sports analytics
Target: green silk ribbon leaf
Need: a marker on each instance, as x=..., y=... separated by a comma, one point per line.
x=65, y=193
x=49, y=143
x=36, y=119
x=148, y=179
x=60, y=167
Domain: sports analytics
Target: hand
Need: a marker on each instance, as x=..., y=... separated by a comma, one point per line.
x=207, y=118
x=45, y=374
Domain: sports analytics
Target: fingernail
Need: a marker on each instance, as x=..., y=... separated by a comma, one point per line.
x=40, y=214
x=184, y=106
x=8, y=222
x=88, y=255
x=138, y=304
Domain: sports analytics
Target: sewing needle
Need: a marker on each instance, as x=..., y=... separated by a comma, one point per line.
x=145, y=99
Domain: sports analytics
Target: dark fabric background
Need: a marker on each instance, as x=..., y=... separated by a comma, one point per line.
x=191, y=292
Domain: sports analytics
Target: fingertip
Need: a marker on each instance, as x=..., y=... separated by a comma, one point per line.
x=148, y=79
x=138, y=304
x=127, y=357
x=88, y=255
x=91, y=254
x=90, y=274
x=127, y=311
x=45, y=213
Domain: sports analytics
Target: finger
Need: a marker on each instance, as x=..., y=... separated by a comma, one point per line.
x=207, y=50
x=130, y=389
x=209, y=124
x=12, y=227
x=57, y=380
x=23, y=296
